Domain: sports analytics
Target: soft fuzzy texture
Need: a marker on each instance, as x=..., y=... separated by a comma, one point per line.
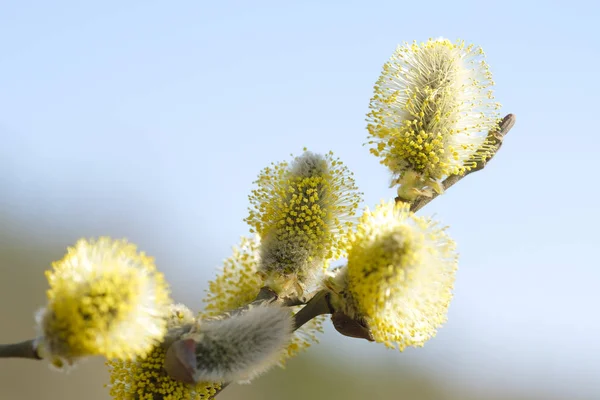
x=242, y=346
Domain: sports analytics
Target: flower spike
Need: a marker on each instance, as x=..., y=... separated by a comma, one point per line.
x=303, y=213
x=399, y=276
x=106, y=299
x=432, y=109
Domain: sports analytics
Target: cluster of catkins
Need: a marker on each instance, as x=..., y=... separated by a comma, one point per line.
x=428, y=119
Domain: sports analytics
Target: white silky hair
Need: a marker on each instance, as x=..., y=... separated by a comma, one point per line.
x=242, y=346
x=309, y=164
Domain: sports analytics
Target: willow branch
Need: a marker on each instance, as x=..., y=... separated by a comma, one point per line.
x=24, y=349
x=494, y=139
x=318, y=305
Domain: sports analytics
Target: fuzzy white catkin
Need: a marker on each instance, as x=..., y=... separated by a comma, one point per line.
x=242, y=346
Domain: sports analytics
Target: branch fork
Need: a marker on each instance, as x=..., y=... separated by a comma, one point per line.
x=180, y=360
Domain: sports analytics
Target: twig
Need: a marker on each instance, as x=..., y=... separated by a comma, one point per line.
x=318, y=305
x=24, y=349
x=494, y=139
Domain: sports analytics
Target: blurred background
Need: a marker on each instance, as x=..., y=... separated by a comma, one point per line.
x=150, y=120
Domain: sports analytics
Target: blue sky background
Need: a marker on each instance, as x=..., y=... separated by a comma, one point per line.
x=150, y=120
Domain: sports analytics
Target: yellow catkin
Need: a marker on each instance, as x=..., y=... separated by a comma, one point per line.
x=303, y=212
x=431, y=111
x=399, y=277
x=106, y=299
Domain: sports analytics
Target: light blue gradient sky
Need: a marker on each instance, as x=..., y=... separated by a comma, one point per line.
x=150, y=120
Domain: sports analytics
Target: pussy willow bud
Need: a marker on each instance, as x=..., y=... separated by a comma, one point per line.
x=145, y=378
x=240, y=346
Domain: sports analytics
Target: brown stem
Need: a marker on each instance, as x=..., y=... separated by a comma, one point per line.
x=494, y=139
x=318, y=305
x=24, y=349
